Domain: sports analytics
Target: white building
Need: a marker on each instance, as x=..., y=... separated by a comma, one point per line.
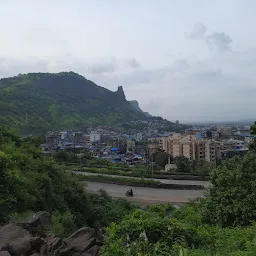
x=95, y=136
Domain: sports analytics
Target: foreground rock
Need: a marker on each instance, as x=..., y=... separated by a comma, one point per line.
x=27, y=239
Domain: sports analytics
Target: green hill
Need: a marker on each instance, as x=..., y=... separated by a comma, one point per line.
x=135, y=104
x=38, y=102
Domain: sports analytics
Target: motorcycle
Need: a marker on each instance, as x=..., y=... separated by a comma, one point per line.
x=129, y=193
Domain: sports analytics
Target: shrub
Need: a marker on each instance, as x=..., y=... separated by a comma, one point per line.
x=63, y=224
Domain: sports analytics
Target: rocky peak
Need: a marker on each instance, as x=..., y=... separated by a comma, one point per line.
x=120, y=92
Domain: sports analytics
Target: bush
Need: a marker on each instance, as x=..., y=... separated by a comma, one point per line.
x=107, y=210
x=149, y=233
x=231, y=199
x=63, y=224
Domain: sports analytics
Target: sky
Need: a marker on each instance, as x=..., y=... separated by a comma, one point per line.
x=187, y=60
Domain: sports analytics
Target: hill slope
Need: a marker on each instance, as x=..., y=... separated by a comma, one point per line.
x=136, y=105
x=38, y=102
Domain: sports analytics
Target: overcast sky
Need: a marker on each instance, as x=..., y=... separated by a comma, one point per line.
x=192, y=60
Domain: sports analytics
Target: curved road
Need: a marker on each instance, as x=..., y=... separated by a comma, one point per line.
x=206, y=184
x=146, y=195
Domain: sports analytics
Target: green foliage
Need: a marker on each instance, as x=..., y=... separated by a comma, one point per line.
x=161, y=159
x=253, y=128
x=252, y=145
x=220, y=224
x=150, y=233
x=31, y=183
x=63, y=224
x=183, y=164
x=202, y=167
x=64, y=156
x=28, y=182
x=161, y=209
x=38, y=102
x=231, y=199
x=35, y=140
x=107, y=210
x=20, y=217
x=119, y=180
x=6, y=198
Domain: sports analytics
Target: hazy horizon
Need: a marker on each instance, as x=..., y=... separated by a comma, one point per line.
x=191, y=61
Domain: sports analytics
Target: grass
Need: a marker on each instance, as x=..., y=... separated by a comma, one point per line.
x=134, y=172
x=136, y=182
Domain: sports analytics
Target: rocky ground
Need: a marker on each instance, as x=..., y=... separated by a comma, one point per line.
x=30, y=238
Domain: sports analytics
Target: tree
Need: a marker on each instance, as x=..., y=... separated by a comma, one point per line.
x=183, y=164
x=5, y=197
x=231, y=199
x=161, y=158
x=253, y=128
x=208, y=134
x=63, y=156
x=202, y=167
x=252, y=145
x=35, y=140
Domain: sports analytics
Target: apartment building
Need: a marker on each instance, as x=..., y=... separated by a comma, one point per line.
x=210, y=151
x=180, y=145
x=157, y=143
x=189, y=146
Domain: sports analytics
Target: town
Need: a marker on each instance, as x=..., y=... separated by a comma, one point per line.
x=208, y=142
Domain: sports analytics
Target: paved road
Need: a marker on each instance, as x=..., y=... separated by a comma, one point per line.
x=147, y=195
x=166, y=181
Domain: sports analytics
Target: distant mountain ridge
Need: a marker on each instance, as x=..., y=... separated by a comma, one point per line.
x=38, y=102
x=136, y=106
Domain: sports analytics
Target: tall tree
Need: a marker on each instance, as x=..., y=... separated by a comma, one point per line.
x=183, y=164
x=252, y=145
x=231, y=199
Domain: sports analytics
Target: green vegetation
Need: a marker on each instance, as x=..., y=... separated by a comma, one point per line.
x=252, y=145
x=31, y=183
x=201, y=167
x=119, y=180
x=231, y=200
x=136, y=182
x=221, y=224
x=136, y=172
x=161, y=159
x=164, y=231
x=38, y=102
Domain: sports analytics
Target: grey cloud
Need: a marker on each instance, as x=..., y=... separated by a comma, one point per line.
x=186, y=88
x=113, y=65
x=211, y=73
x=133, y=63
x=198, y=31
x=219, y=40
x=102, y=68
x=14, y=66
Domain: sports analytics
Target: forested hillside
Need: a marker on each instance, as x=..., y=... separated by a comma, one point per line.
x=38, y=102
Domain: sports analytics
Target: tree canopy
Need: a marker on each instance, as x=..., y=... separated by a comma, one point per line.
x=231, y=199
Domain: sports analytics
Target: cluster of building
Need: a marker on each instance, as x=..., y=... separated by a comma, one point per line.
x=211, y=145
x=102, y=142
x=204, y=142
